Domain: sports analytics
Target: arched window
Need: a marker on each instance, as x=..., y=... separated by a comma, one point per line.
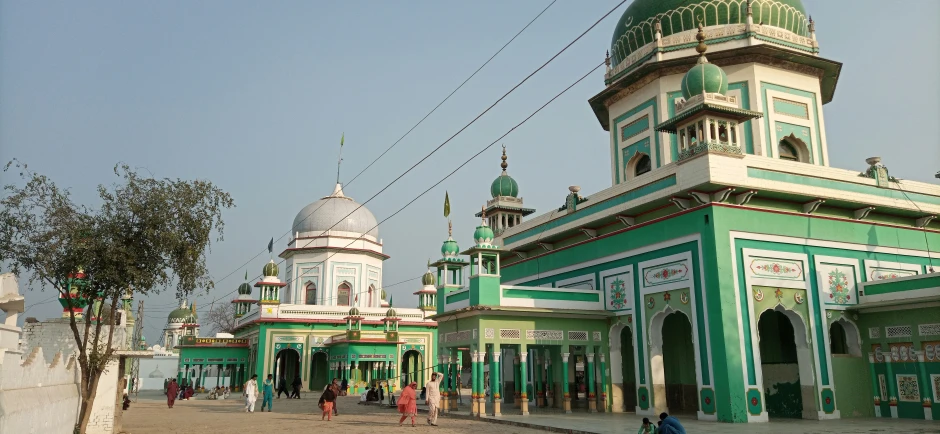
x=788, y=152
x=643, y=165
x=311, y=290
x=838, y=342
x=371, y=294
x=342, y=294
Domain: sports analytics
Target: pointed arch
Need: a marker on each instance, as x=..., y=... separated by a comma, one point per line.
x=793, y=149
x=639, y=164
x=344, y=294
x=371, y=297
x=310, y=293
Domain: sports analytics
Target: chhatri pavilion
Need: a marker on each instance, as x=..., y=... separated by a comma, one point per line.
x=728, y=273
x=329, y=317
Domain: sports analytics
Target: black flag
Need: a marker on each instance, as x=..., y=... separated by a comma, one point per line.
x=271, y=245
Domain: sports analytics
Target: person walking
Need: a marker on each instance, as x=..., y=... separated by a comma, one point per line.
x=295, y=393
x=408, y=403
x=282, y=386
x=267, y=393
x=172, y=390
x=433, y=397
x=251, y=394
x=327, y=400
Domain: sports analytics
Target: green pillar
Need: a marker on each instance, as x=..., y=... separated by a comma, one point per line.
x=875, y=388
x=517, y=391
x=589, y=367
x=549, y=380
x=564, y=380
x=537, y=385
x=926, y=393
x=603, y=382
x=892, y=388
x=523, y=374
x=495, y=385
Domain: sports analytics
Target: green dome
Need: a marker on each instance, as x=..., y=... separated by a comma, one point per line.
x=354, y=312
x=504, y=185
x=450, y=248
x=427, y=279
x=390, y=313
x=244, y=289
x=270, y=269
x=181, y=314
x=704, y=77
x=483, y=235
x=384, y=295
x=636, y=26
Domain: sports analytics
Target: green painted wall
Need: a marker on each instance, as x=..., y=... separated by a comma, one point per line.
x=853, y=386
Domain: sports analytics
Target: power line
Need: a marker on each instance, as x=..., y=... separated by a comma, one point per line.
x=409, y=130
x=565, y=48
x=453, y=92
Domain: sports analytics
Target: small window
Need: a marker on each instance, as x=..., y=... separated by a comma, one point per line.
x=342, y=295
x=642, y=166
x=722, y=133
x=311, y=293
x=788, y=152
x=837, y=339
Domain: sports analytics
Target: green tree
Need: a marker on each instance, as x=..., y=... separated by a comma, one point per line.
x=144, y=235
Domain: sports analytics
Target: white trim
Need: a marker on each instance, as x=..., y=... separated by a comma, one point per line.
x=575, y=280
x=905, y=295
x=830, y=244
x=551, y=304
x=688, y=282
x=545, y=289
x=649, y=133
x=621, y=255
x=835, y=260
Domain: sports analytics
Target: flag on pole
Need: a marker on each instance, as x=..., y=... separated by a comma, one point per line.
x=246, y=275
x=391, y=300
x=342, y=139
x=270, y=249
x=446, y=204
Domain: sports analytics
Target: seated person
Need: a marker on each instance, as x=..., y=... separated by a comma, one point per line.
x=669, y=425
x=372, y=395
x=647, y=427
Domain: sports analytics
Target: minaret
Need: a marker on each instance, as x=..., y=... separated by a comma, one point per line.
x=449, y=269
x=427, y=295
x=707, y=120
x=270, y=285
x=75, y=302
x=505, y=209
x=243, y=300
x=484, y=266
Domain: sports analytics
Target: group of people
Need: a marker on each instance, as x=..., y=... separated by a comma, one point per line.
x=408, y=401
x=327, y=402
x=219, y=393
x=667, y=425
x=296, y=385
x=372, y=394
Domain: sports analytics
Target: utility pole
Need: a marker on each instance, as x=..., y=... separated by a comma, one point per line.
x=135, y=341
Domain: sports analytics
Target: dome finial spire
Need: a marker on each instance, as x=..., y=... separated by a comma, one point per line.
x=504, y=165
x=483, y=214
x=701, y=48
x=450, y=229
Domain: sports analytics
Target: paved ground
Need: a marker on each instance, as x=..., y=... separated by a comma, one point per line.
x=150, y=415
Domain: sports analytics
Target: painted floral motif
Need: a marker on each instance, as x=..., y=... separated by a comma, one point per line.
x=935, y=383
x=777, y=269
x=778, y=294
x=886, y=274
x=651, y=303
x=667, y=296
x=839, y=289
x=929, y=352
x=883, y=387
x=618, y=294
x=908, y=390
x=684, y=298
x=758, y=294
x=665, y=273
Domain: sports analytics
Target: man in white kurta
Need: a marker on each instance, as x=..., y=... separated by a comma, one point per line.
x=433, y=397
x=251, y=394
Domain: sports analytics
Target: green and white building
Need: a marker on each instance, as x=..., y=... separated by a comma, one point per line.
x=728, y=272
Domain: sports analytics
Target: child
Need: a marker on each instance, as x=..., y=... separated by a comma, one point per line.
x=326, y=403
x=647, y=427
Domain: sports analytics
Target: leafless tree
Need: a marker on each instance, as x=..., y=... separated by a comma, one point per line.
x=221, y=318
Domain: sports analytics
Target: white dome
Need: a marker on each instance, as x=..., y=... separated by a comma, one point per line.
x=321, y=216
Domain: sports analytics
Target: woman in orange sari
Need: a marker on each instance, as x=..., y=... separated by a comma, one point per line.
x=407, y=404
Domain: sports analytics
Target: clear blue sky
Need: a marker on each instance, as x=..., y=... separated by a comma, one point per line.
x=255, y=95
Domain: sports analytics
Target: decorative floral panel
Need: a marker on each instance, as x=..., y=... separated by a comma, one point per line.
x=883, y=387
x=876, y=350
x=837, y=284
x=544, y=335
x=489, y=333
x=935, y=385
x=666, y=273
x=902, y=352
x=908, y=390
x=931, y=352
x=619, y=289
x=878, y=273
x=783, y=269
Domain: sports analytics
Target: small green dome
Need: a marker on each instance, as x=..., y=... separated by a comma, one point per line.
x=636, y=26
x=244, y=289
x=180, y=314
x=483, y=235
x=704, y=77
x=354, y=312
x=427, y=279
x=504, y=185
x=450, y=248
x=270, y=269
x=390, y=313
x=384, y=295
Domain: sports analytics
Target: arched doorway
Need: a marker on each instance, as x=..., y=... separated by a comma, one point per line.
x=411, y=368
x=310, y=296
x=780, y=364
x=319, y=371
x=673, y=363
x=342, y=294
x=286, y=367
x=371, y=295
x=793, y=149
x=628, y=369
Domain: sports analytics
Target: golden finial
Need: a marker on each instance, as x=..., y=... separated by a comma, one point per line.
x=483, y=214
x=450, y=228
x=504, y=165
x=701, y=48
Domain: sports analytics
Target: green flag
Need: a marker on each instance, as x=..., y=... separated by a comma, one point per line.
x=246, y=275
x=391, y=300
x=446, y=204
x=342, y=139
